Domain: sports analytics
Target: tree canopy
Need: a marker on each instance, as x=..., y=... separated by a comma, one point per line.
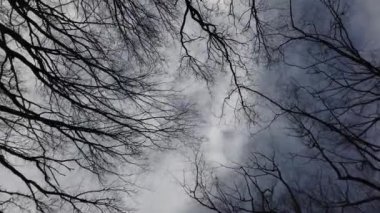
x=85, y=96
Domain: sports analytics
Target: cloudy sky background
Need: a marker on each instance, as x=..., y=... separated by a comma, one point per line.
x=227, y=138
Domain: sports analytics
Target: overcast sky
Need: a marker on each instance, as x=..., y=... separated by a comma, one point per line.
x=226, y=137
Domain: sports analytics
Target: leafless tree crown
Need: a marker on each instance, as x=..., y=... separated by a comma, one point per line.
x=331, y=107
x=81, y=97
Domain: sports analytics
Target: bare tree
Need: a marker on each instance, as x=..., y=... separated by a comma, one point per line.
x=258, y=186
x=332, y=107
x=81, y=94
x=81, y=101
